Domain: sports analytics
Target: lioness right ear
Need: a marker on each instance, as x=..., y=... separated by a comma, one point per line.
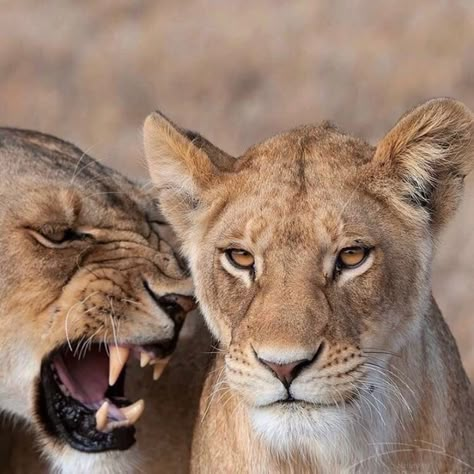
x=421, y=163
x=182, y=166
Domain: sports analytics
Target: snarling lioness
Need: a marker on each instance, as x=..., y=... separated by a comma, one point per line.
x=311, y=258
x=86, y=282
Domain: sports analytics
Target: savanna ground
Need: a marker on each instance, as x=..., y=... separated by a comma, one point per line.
x=239, y=71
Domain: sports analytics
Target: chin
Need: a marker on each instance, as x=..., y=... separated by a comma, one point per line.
x=306, y=428
x=66, y=460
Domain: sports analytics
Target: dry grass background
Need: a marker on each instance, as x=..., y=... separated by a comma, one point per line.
x=239, y=71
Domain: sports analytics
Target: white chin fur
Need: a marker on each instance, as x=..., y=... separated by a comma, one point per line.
x=322, y=434
x=70, y=461
x=287, y=426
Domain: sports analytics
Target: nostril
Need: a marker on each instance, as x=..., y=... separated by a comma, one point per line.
x=286, y=372
x=170, y=306
x=174, y=305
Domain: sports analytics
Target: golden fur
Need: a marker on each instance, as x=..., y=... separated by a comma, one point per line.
x=382, y=387
x=85, y=290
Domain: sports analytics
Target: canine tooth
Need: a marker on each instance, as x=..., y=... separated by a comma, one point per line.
x=112, y=425
x=144, y=359
x=117, y=359
x=101, y=417
x=133, y=412
x=159, y=367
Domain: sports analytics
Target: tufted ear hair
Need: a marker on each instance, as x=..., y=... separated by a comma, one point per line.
x=421, y=163
x=182, y=165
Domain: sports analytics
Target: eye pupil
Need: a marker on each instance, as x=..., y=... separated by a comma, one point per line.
x=240, y=258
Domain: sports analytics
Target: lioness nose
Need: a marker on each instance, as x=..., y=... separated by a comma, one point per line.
x=286, y=372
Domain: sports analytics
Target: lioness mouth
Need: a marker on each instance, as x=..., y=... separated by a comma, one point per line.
x=82, y=398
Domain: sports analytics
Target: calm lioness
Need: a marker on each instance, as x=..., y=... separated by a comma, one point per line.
x=311, y=258
x=86, y=282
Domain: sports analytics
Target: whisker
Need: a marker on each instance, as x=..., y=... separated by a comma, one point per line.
x=211, y=397
x=372, y=364
x=111, y=317
x=410, y=448
x=124, y=300
x=379, y=351
x=68, y=314
x=85, y=153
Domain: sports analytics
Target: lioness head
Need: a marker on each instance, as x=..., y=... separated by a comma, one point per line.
x=86, y=282
x=311, y=253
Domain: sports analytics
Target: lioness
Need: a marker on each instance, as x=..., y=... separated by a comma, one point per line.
x=86, y=283
x=311, y=258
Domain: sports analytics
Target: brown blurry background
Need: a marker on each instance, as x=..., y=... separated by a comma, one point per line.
x=90, y=72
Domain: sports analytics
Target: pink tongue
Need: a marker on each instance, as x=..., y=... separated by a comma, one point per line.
x=85, y=378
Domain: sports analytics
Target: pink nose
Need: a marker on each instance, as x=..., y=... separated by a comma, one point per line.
x=286, y=372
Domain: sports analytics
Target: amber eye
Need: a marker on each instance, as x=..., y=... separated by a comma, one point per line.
x=352, y=257
x=240, y=258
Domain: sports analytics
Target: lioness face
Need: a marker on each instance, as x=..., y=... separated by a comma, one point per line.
x=301, y=286
x=311, y=256
x=87, y=283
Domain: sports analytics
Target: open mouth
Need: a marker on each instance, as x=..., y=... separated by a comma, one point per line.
x=82, y=394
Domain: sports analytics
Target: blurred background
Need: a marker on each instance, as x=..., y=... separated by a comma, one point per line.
x=90, y=71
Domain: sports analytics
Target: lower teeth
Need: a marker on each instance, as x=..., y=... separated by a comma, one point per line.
x=131, y=415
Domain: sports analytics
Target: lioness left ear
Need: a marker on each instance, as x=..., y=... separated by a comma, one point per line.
x=182, y=165
x=421, y=163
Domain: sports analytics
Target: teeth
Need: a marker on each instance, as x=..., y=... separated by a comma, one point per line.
x=133, y=412
x=117, y=359
x=101, y=416
x=144, y=359
x=112, y=425
x=159, y=367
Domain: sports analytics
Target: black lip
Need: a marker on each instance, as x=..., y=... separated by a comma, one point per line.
x=65, y=418
x=169, y=304
x=297, y=401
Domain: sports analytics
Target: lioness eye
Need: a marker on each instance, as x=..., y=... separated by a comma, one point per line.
x=60, y=236
x=352, y=257
x=240, y=258
x=56, y=238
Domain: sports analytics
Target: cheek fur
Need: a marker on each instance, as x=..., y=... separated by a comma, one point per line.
x=225, y=297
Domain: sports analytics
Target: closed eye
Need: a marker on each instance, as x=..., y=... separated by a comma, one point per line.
x=57, y=238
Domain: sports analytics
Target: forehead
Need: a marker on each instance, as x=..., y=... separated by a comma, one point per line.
x=49, y=180
x=303, y=186
x=307, y=155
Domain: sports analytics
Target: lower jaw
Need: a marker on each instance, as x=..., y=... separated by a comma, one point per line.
x=68, y=420
x=290, y=426
x=81, y=400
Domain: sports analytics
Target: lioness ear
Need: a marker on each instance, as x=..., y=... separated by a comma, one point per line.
x=182, y=165
x=423, y=160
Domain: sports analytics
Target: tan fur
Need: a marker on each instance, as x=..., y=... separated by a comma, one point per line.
x=383, y=388
x=89, y=289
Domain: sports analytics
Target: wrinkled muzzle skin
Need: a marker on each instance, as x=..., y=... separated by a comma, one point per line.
x=85, y=276
x=311, y=257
